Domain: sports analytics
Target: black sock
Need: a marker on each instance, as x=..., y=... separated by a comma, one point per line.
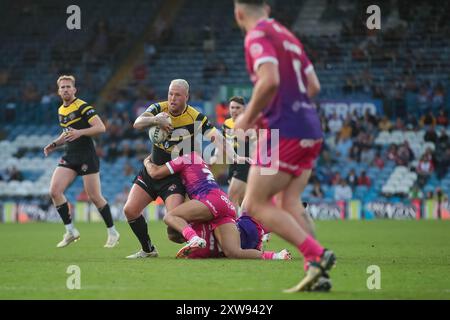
x=139, y=227
x=63, y=211
x=106, y=214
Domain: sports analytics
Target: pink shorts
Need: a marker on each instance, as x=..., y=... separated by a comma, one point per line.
x=220, y=206
x=294, y=155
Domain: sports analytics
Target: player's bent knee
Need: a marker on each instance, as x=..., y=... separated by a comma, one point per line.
x=130, y=212
x=56, y=193
x=253, y=208
x=167, y=219
x=294, y=207
x=231, y=253
x=175, y=213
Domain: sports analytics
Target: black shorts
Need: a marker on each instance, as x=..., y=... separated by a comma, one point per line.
x=238, y=171
x=82, y=164
x=163, y=187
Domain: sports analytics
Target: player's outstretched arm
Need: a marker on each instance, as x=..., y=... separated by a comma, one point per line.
x=155, y=171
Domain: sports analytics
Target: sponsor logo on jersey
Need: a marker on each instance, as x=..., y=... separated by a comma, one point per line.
x=256, y=50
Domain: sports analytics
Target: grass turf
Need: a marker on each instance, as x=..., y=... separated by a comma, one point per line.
x=414, y=257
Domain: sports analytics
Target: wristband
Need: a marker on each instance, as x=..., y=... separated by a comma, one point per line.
x=54, y=145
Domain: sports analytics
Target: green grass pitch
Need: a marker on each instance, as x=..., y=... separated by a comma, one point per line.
x=413, y=256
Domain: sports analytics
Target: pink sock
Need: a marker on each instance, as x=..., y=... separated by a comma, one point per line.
x=310, y=249
x=188, y=233
x=267, y=255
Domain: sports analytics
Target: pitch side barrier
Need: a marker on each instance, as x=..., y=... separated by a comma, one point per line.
x=23, y=211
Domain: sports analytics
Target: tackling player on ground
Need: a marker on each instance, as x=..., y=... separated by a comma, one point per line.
x=250, y=234
x=208, y=204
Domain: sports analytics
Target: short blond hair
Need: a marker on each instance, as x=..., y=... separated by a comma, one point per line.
x=66, y=77
x=182, y=83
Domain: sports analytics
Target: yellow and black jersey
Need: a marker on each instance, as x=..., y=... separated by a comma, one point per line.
x=189, y=127
x=77, y=115
x=228, y=132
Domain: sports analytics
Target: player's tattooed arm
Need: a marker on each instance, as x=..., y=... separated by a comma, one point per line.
x=155, y=171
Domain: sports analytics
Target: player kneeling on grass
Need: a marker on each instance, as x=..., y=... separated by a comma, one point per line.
x=249, y=232
x=208, y=204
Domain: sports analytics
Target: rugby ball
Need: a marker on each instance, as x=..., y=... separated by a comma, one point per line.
x=157, y=135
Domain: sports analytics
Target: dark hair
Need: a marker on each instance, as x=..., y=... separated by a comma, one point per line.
x=237, y=99
x=251, y=2
x=175, y=236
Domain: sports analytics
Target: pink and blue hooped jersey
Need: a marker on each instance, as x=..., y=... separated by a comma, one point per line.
x=291, y=110
x=195, y=174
